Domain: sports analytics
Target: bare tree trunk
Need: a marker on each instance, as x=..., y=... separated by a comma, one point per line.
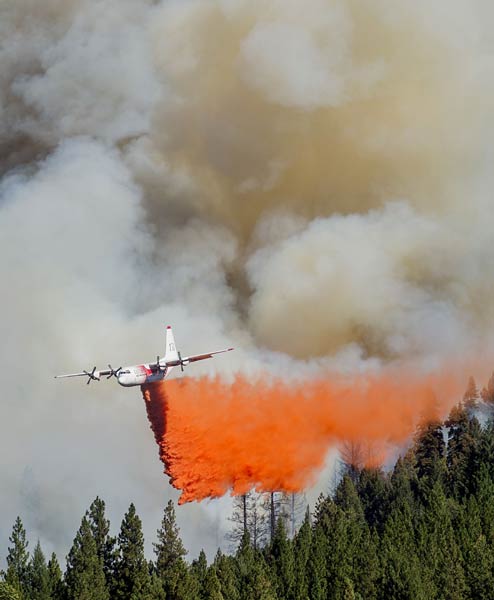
x=244, y=507
x=272, y=520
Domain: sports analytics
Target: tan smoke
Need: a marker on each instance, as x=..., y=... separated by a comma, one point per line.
x=280, y=117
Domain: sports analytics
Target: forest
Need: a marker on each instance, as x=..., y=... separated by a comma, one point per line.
x=421, y=530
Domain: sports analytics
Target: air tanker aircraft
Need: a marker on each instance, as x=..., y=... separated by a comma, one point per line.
x=147, y=373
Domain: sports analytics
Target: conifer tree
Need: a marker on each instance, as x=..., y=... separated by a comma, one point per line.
x=55, y=582
x=8, y=592
x=132, y=575
x=374, y=491
x=170, y=564
x=253, y=579
x=463, y=442
x=400, y=564
x=471, y=396
x=302, y=545
x=403, y=483
x=105, y=544
x=212, y=585
x=17, y=575
x=486, y=450
x=225, y=572
x=317, y=564
x=85, y=577
x=199, y=569
x=429, y=453
x=488, y=392
x=478, y=558
x=484, y=493
x=282, y=562
x=438, y=548
x=39, y=584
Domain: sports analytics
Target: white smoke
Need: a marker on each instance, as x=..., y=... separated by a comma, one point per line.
x=307, y=182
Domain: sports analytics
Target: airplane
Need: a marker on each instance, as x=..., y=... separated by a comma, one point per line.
x=150, y=372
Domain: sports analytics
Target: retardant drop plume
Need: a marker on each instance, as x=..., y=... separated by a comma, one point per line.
x=214, y=436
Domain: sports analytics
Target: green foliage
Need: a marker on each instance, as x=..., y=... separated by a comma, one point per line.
x=85, y=577
x=105, y=544
x=464, y=436
x=282, y=562
x=17, y=575
x=55, y=583
x=132, y=576
x=212, y=585
x=302, y=546
x=8, y=592
x=170, y=564
x=38, y=576
x=429, y=450
x=225, y=567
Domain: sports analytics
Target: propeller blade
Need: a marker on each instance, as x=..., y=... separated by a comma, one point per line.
x=181, y=362
x=113, y=372
x=91, y=376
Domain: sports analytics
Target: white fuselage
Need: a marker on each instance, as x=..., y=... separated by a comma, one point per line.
x=141, y=374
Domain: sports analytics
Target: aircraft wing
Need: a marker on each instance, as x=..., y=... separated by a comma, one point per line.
x=92, y=374
x=193, y=358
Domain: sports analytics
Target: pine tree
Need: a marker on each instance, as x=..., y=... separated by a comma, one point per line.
x=253, y=579
x=374, y=493
x=282, y=562
x=484, y=493
x=212, y=585
x=353, y=551
x=39, y=583
x=317, y=564
x=17, y=575
x=429, y=452
x=8, y=592
x=170, y=552
x=132, y=575
x=199, y=570
x=438, y=549
x=400, y=569
x=85, y=577
x=55, y=583
x=486, y=450
x=478, y=558
x=105, y=544
x=488, y=392
x=404, y=483
x=302, y=545
x=225, y=571
x=471, y=396
x=464, y=435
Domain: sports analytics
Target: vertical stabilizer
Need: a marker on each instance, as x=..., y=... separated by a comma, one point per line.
x=171, y=350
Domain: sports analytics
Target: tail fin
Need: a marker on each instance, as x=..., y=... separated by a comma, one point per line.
x=171, y=350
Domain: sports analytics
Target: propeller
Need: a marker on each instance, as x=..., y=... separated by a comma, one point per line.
x=158, y=366
x=114, y=372
x=181, y=362
x=92, y=376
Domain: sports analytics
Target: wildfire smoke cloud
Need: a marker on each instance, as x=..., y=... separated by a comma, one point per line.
x=271, y=435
